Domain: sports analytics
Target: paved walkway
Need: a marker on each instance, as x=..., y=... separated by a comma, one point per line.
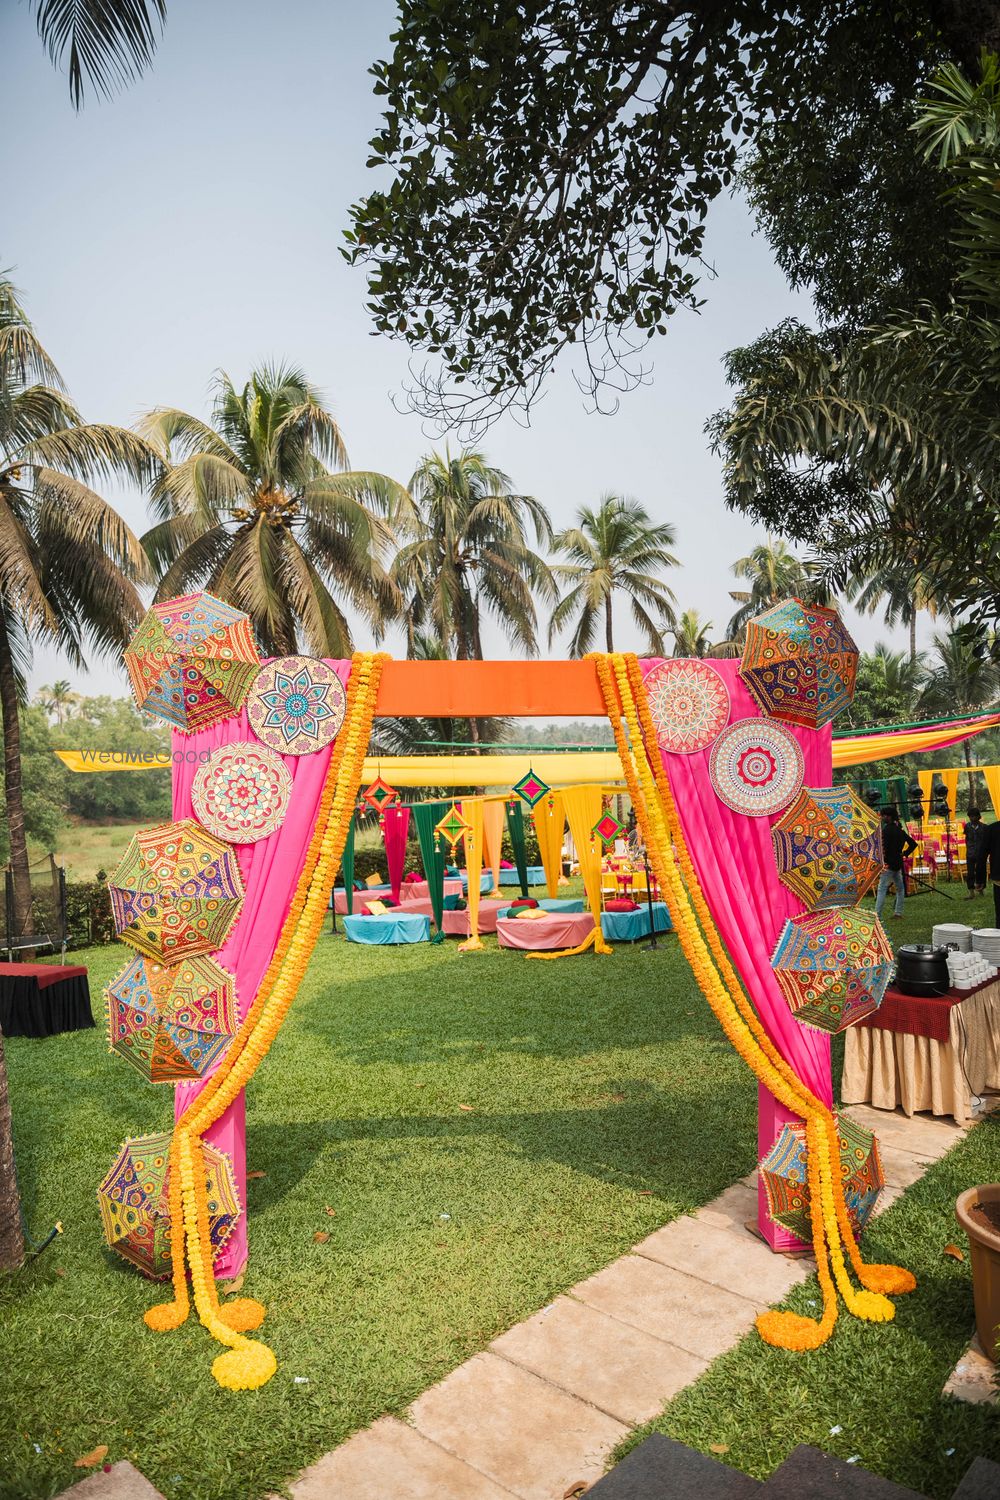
x=542, y=1408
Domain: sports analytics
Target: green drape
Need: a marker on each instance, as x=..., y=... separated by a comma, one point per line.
x=426, y=815
x=515, y=824
x=347, y=865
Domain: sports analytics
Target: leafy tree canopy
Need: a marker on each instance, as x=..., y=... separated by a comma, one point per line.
x=551, y=164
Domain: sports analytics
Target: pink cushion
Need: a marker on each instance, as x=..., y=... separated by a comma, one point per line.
x=621, y=903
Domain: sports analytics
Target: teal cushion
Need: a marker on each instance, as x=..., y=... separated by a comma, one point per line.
x=451, y=903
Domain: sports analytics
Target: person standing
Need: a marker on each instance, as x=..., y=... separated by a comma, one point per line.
x=896, y=845
x=993, y=832
x=977, y=848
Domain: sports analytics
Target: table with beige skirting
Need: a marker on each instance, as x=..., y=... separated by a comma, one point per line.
x=893, y=1070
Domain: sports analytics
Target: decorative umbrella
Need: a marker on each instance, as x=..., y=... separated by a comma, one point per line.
x=833, y=966
x=176, y=892
x=172, y=1023
x=192, y=661
x=786, y=1180
x=134, y=1202
x=828, y=847
x=242, y=792
x=799, y=663
x=297, y=705
x=531, y=788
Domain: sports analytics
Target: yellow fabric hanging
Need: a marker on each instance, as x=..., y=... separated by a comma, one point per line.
x=583, y=805
x=855, y=750
x=926, y=779
x=549, y=824
x=472, y=812
x=992, y=778
x=950, y=779
x=493, y=816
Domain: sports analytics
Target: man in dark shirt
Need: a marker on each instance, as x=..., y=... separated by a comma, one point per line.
x=993, y=830
x=977, y=847
x=896, y=845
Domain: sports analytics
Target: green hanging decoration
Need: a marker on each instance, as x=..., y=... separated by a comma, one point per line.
x=515, y=825
x=426, y=816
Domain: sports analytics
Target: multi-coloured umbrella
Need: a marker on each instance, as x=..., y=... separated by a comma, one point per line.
x=192, y=661
x=799, y=663
x=134, y=1203
x=172, y=1023
x=786, y=1179
x=833, y=966
x=828, y=847
x=176, y=892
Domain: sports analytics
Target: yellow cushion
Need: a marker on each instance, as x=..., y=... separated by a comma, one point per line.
x=374, y=880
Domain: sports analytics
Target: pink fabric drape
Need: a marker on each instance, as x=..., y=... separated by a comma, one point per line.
x=734, y=860
x=395, y=830
x=270, y=870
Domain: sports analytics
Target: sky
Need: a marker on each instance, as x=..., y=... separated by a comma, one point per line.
x=193, y=223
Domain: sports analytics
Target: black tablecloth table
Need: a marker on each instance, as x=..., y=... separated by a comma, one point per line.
x=43, y=999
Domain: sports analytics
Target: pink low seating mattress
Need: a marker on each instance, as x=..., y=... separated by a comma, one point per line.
x=419, y=890
x=558, y=929
x=456, y=923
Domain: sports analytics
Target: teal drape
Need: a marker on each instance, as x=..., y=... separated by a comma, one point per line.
x=347, y=865
x=515, y=824
x=426, y=815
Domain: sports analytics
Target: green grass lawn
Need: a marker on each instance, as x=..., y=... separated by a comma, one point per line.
x=85, y=848
x=604, y=1101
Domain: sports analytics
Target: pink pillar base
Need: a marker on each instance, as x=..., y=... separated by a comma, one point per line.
x=771, y=1116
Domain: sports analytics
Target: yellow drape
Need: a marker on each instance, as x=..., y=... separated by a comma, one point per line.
x=549, y=824
x=926, y=779
x=583, y=805
x=855, y=750
x=992, y=776
x=950, y=779
x=493, y=815
x=472, y=812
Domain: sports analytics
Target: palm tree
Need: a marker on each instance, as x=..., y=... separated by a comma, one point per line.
x=691, y=635
x=962, y=680
x=58, y=699
x=469, y=554
x=773, y=573
x=902, y=592
x=259, y=508
x=68, y=569
x=107, y=43
x=616, y=548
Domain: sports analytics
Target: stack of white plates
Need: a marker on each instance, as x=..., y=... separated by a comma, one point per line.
x=953, y=933
x=986, y=940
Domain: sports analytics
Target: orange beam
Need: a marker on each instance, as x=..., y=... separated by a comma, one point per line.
x=458, y=689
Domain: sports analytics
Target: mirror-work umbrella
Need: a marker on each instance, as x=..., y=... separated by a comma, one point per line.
x=172, y=1023
x=134, y=1203
x=828, y=847
x=192, y=661
x=799, y=663
x=786, y=1180
x=833, y=966
x=176, y=892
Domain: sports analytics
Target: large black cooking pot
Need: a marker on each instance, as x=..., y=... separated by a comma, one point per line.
x=922, y=969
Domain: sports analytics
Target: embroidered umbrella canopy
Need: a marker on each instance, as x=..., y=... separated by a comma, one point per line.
x=828, y=847
x=786, y=1180
x=171, y=1023
x=192, y=661
x=799, y=663
x=176, y=892
x=833, y=966
x=134, y=1204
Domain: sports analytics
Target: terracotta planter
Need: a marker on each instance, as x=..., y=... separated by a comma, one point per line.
x=984, y=1256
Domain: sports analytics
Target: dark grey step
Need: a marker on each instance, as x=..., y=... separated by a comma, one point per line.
x=809, y=1474
x=662, y=1469
x=981, y=1481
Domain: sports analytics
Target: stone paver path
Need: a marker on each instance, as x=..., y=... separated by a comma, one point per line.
x=541, y=1409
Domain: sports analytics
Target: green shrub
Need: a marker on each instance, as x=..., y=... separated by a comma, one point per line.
x=88, y=913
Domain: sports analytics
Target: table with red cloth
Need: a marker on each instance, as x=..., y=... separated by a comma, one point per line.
x=43, y=999
x=921, y=1052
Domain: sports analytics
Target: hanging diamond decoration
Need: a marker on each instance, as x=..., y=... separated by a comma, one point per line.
x=531, y=788
x=379, y=795
x=451, y=827
x=607, y=828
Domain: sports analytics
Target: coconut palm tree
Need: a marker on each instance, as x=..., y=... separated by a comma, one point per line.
x=260, y=508
x=774, y=573
x=470, y=554
x=901, y=593
x=106, y=43
x=616, y=548
x=59, y=699
x=68, y=569
x=691, y=634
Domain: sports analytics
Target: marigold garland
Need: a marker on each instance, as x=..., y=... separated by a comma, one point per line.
x=625, y=700
x=248, y=1364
